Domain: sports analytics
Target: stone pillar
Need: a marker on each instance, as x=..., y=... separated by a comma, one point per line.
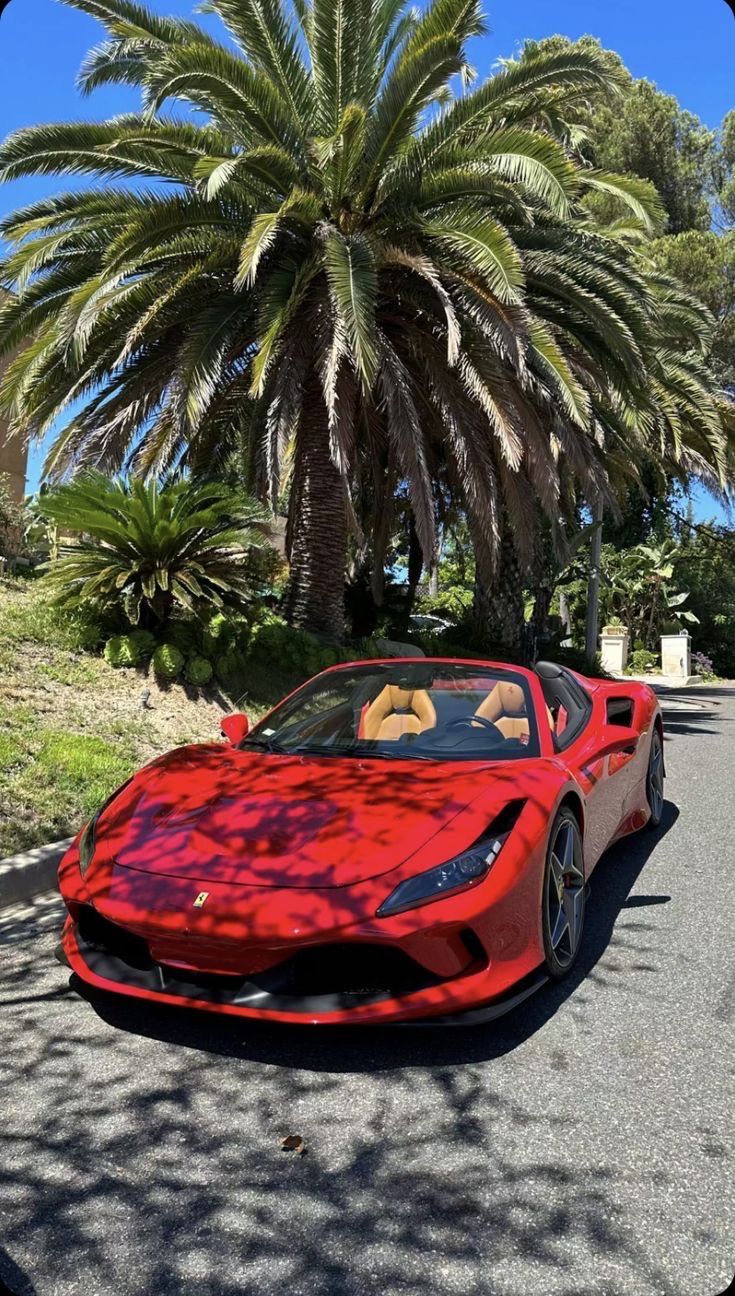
x=614, y=649
x=676, y=655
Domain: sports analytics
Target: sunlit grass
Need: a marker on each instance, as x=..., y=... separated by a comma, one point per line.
x=55, y=781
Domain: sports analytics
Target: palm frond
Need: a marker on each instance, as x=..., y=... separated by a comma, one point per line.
x=351, y=273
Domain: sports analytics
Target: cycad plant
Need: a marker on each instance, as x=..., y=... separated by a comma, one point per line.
x=144, y=550
x=369, y=272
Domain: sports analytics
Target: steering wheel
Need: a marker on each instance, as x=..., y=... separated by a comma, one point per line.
x=469, y=722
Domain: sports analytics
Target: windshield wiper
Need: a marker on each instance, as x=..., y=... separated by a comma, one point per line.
x=266, y=743
x=357, y=753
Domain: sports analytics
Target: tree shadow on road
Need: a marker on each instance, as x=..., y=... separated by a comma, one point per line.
x=13, y=1282
x=694, y=711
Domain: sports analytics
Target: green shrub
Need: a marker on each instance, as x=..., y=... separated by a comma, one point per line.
x=198, y=671
x=217, y=633
x=120, y=651
x=113, y=650
x=363, y=650
x=147, y=550
x=186, y=634
x=292, y=652
x=224, y=632
x=145, y=643
x=168, y=661
x=641, y=662
x=130, y=649
x=230, y=668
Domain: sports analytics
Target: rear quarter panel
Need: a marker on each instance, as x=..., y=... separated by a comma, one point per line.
x=614, y=786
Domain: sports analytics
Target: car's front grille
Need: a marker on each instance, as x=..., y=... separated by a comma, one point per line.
x=320, y=978
x=356, y=969
x=100, y=934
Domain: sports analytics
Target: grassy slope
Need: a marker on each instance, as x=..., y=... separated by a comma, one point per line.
x=72, y=728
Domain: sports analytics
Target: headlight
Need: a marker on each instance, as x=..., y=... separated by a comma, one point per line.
x=86, y=845
x=87, y=840
x=458, y=874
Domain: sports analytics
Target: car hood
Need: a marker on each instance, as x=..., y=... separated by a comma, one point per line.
x=255, y=819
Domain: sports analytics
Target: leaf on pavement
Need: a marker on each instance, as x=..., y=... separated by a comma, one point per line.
x=293, y=1143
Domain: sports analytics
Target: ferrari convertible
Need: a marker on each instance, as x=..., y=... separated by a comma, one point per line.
x=396, y=840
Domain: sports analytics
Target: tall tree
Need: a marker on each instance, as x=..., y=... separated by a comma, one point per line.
x=644, y=132
x=706, y=261
x=687, y=355
x=360, y=273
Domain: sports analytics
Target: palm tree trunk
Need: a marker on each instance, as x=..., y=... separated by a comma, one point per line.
x=314, y=597
x=415, y=569
x=498, y=608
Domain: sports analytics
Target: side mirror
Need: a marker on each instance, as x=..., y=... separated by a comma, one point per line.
x=618, y=739
x=235, y=727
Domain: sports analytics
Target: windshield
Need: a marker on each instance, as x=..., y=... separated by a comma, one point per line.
x=430, y=711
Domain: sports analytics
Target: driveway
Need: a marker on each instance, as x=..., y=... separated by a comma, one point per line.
x=583, y=1147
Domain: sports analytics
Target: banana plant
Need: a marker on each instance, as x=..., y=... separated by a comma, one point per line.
x=640, y=582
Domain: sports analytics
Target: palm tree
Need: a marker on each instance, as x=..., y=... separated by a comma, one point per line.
x=367, y=277
x=146, y=550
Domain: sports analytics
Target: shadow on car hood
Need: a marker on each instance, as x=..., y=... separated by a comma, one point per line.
x=258, y=819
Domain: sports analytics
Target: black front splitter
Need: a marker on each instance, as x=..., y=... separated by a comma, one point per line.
x=490, y=1012
x=242, y=993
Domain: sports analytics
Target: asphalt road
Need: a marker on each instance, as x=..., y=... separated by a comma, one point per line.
x=583, y=1147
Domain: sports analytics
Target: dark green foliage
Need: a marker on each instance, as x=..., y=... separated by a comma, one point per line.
x=186, y=633
x=144, y=550
x=708, y=568
x=577, y=660
x=654, y=137
x=230, y=668
x=705, y=261
x=168, y=661
x=224, y=632
x=644, y=132
x=292, y=651
x=145, y=642
x=198, y=671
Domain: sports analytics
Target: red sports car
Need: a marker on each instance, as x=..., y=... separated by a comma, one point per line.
x=396, y=840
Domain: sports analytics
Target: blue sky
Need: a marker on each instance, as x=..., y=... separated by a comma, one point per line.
x=686, y=46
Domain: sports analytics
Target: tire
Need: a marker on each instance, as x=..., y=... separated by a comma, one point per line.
x=655, y=782
x=563, y=895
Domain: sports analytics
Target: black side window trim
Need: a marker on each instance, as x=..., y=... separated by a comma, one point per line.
x=561, y=688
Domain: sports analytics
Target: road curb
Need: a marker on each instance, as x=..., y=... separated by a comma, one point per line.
x=30, y=873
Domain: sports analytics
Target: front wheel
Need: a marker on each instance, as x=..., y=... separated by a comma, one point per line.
x=563, y=895
x=655, y=781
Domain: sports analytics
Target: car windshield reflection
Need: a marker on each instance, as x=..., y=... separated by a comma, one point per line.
x=405, y=710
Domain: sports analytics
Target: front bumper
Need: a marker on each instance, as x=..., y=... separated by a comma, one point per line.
x=440, y=1005
x=244, y=954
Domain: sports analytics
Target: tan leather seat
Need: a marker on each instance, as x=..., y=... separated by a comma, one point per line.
x=505, y=706
x=398, y=711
